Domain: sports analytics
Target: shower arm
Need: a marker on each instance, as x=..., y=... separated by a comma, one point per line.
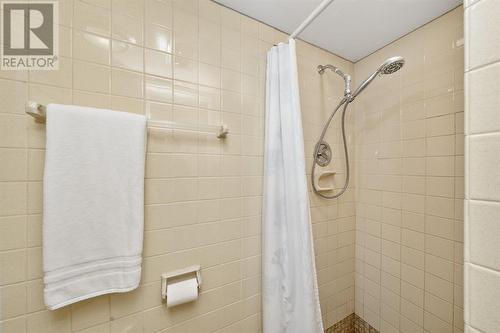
x=345, y=77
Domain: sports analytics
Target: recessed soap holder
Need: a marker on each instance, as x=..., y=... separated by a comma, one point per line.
x=317, y=178
x=195, y=269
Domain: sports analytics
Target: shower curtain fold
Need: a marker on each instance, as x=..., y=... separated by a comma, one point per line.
x=289, y=285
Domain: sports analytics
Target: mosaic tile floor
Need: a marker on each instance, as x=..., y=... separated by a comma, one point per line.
x=351, y=324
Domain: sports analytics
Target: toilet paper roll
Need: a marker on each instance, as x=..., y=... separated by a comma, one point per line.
x=182, y=292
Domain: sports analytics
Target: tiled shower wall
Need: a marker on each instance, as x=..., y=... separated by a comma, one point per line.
x=333, y=221
x=409, y=213
x=482, y=118
x=188, y=61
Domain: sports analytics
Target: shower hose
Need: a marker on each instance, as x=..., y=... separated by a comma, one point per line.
x=345, y=101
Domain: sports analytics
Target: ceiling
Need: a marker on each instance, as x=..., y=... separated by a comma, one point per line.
x=351, y=29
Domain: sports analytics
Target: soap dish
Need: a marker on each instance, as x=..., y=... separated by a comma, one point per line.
x=318, y=177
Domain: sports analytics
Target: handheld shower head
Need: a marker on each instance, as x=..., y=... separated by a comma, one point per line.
x=390, y=66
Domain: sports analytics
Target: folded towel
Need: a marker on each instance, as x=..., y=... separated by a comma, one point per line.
x=93, y=207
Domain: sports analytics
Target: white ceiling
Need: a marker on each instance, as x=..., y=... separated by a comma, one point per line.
x=350, y=28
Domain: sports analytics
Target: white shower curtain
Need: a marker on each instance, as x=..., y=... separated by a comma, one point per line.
x=289, y=287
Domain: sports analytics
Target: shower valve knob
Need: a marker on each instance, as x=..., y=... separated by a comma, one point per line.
x=323, y=154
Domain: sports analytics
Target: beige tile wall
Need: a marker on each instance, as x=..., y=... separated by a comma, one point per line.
x=333, y=220
x=482, y=76
x=189, y=61
x=409, y=212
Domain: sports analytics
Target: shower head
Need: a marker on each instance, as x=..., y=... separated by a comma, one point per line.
x=390, y=66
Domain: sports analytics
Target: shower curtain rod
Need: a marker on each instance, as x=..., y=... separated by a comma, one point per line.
x=39, y=112
x=315, y=13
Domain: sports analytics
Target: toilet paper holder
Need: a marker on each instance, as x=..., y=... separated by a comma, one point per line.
x=177, y=273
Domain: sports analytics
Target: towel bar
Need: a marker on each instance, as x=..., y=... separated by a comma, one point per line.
x=39, y=111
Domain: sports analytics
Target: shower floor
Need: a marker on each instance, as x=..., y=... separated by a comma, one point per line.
x=351, y=324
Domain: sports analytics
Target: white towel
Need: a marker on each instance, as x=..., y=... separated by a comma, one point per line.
x=93, y=212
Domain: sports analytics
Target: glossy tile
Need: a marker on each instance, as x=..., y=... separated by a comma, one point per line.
x=158, y=63
x=482, y=297
x=159, y=12
x=91, y=77
x=126, y=83
x=159, y=38
x=127, y=28
x=482, y=167
x=91, y=18
x=127, y=56
x=185, y=70
x=157, y=89
x=90, y=47
x=482, y=34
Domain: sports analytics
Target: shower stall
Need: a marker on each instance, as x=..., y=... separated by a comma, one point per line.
x=383, y=142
